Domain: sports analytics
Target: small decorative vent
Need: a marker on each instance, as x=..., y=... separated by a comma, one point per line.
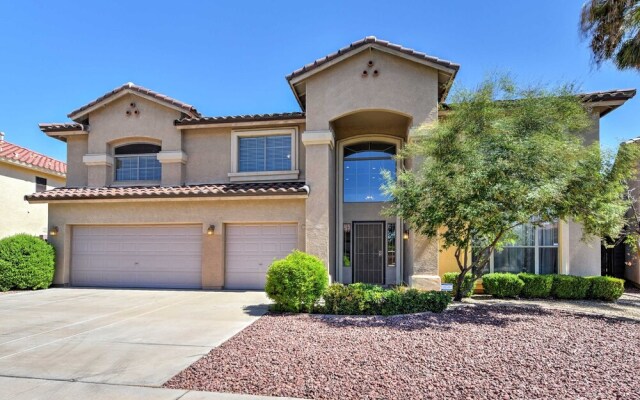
x=132, y=110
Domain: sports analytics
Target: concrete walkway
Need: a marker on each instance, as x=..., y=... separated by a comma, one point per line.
x=41, y=389
x=87, y=343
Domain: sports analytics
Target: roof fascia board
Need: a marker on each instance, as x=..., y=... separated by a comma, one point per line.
x=123, y=93
x=352, y=53
x=33, y=167
x=127, y=199
x=243, y=124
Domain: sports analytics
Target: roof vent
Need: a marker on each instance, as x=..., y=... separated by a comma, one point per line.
x=1, y=136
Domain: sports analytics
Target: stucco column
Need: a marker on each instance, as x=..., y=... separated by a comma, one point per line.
x=320, y=205
x=172, y=167
x=99, y=169
x=422, y=258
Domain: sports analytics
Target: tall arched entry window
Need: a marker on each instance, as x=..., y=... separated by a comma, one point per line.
x=368, y=237
x=363, y=166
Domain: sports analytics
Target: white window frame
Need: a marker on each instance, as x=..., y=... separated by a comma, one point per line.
x=536, y=246
x=293, y=173
x=116, y=182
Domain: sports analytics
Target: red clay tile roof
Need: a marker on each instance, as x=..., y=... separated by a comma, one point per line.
x=372, y=40
x=241, y=118
x=211, y=190
x=62, y=127
x=14, y=154
x=616, y=94
x=590, y=97
x=187, y=108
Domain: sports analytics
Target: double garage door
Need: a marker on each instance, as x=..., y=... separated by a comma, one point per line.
x=171, y=256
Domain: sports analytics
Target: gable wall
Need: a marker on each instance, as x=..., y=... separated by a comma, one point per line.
x=402, y=86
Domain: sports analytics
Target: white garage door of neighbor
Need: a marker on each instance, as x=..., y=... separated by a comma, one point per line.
x=250, y=249
x=137, y=256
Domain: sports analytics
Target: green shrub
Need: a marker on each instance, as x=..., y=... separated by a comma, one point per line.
x=502, y=284
x=362, y=299
x=29, y=263
x=570, y=287
x=536, y=286
x=467, y=283
x=6, y=277
x=605, y=288
x=296, y=282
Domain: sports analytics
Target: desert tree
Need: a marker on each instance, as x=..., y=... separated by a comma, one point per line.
x=503, y=156
x=613, y=30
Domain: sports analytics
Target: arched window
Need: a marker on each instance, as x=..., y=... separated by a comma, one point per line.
x=363, y=166
x=137, y=162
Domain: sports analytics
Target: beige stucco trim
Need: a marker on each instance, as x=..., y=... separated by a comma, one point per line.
x=318, y=137
x=263, y=176
x=98, y=159
x=168, y=157
x=247, y=124
x=239, y=133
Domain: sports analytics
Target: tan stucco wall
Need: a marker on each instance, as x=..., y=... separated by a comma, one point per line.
x=110, y=126
x=110, y=123
x=77, y=172
x=209, y=152
x=202, y=212
x=16, y=214
x=401, y=86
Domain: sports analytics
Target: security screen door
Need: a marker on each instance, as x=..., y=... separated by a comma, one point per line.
x=368, y=252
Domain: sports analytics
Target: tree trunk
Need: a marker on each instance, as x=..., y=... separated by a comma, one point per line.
x=459, y=285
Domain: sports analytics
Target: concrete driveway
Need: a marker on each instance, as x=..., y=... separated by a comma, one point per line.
x=116, y=337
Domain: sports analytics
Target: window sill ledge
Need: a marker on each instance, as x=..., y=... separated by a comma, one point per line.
x=135, y=183
x=263, y=176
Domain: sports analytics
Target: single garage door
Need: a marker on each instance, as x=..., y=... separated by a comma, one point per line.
x=250, y=249
x=137, y=256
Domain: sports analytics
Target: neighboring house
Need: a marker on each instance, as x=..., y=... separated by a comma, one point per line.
x=160, y=196
x=631, y=265
x=23, y=172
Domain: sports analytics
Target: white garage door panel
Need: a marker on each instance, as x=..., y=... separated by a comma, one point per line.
x=250, y=249
x=154, y=256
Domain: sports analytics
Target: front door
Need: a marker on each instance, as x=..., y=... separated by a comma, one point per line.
x=368, y=252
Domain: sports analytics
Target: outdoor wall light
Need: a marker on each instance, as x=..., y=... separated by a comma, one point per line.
x=53, y=231
x=211, y=229
x=405, y=234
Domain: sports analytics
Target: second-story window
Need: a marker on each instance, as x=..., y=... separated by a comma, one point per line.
x=264, y=153
x=137, y=162
x=41, y=184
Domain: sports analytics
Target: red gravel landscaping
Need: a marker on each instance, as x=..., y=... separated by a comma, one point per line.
x=470, y=352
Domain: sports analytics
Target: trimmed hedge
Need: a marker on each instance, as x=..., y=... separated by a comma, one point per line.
x=28, y=262
x=570, y=287
x=536, y=286
x=605, y=288
x=362, y=299
x=502, y=284
x=467, y=283
x=296, y=282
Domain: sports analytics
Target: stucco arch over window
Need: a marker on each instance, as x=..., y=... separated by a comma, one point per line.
x=371, y=122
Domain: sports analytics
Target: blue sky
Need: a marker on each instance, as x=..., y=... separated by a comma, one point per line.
x=231, y=57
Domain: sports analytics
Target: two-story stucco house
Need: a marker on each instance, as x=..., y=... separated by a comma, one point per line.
x=22, y=172
x=160, y=196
